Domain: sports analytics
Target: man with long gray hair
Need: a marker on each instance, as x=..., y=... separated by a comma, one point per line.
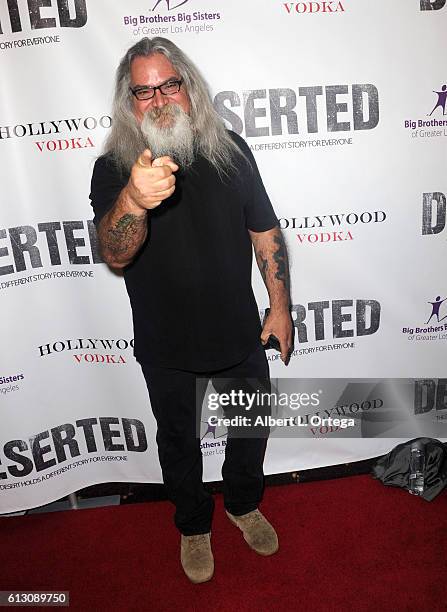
x=178, y=204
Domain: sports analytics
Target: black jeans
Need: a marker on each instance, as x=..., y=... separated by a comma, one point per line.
x=173, y=400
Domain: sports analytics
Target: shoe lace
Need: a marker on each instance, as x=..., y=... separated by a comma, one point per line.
x=254, y=517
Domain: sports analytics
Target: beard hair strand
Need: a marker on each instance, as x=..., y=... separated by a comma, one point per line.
x=167, y=130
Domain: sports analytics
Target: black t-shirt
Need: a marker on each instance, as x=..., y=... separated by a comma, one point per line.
x=190, y=284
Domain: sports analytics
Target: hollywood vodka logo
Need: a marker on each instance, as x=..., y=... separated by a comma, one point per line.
x=90, y=350
x=313, y=7
x=318, y=229
x=59, y=134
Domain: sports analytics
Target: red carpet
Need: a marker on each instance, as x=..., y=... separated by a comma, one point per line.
x=347, y=544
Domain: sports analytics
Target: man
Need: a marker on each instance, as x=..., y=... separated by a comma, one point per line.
x=178, y=204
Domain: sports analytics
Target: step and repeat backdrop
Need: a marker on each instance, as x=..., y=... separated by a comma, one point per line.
x=343, y=104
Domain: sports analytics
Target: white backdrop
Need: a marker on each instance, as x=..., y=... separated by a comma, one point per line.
x=334, y=98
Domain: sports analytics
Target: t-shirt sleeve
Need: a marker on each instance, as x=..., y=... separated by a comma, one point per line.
x=259, y=212
x=106, y=185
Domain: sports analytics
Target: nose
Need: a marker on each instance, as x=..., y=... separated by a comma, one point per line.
x=159, y=99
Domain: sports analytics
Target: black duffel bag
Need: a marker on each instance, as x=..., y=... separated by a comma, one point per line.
x=393, y=469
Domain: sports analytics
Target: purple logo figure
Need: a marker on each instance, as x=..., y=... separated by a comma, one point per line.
x=168, y=4
x=436, y=305
x=211, y=429
x=442, y=98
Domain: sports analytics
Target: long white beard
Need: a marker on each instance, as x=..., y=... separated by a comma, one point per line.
x=168, y=131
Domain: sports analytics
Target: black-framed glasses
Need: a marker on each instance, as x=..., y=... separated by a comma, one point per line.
x=168, y=88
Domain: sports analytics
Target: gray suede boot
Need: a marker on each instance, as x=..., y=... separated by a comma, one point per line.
x=196, y=557
x=258, y=533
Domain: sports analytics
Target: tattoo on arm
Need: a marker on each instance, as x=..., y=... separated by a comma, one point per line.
x=125, y=235
x=280, y=257
x=263, y=265
x=271, y=257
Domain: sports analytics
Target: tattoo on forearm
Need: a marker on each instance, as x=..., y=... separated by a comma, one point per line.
x=280, y=257
x=263, y=265
x=125, y=235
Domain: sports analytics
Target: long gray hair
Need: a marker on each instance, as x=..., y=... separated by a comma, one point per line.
x=211, y=139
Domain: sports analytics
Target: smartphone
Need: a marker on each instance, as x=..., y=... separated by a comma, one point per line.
x=272, y=342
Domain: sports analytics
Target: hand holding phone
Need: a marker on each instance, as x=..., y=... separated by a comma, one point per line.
x=272, y=342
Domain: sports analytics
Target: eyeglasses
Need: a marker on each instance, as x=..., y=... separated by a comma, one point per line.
x=168, y=88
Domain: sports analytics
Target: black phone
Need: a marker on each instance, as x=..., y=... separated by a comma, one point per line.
x=272, y=342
